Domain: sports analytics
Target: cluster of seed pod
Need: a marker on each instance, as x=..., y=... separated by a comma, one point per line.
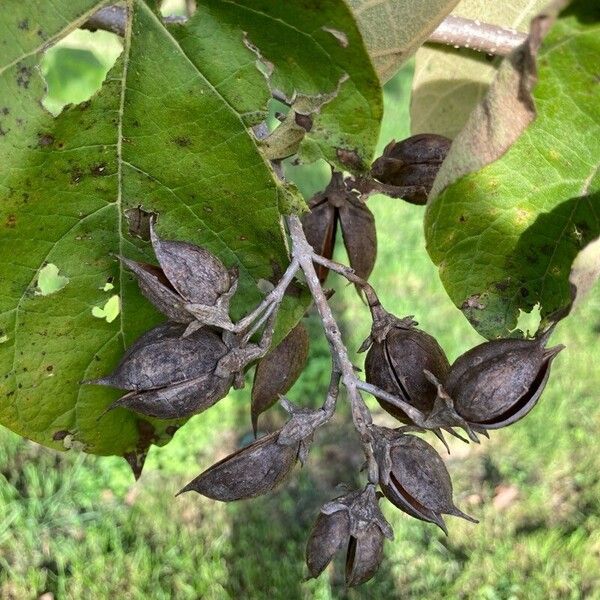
x=189, y=363
x=489, y=387
x=186, y=365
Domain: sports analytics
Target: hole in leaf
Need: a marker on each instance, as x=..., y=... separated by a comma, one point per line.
x=50, y=281
x=110, y=311
x=529, y=322
x=75, y=68
x=3, y=337
x=178, y=9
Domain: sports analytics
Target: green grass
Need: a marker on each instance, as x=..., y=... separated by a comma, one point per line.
x=79, y=527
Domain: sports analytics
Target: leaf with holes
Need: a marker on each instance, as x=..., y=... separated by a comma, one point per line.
x=342, y=95
x=505, y=237
x=163, y=139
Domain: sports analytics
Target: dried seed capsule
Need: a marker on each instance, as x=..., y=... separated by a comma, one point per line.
x=397, y=359
x=355, y=521
x=320, y=227
x=196, y=274
x=249, y=472
x=330, y=532
x=170, y=376
x=277, y=372
x=162, y=357
x=498, y=382
x=364, y=555
x=178, y=400
x=414, y=161
x=359, y=233
x=414, y=478
x=337, y=205
x=190, y=284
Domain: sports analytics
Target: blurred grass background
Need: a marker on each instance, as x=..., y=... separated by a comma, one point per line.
x=75, y=526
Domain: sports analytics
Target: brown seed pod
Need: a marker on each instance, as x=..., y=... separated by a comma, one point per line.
x=277, y=372
x=248, y=472
x=356, y=522
x=162, y=357
x=498, y=382
x=190, y=284
x=198, y=276
x=396, y=361
x=170, y=376
x=360, y=236
x=414, y=161
x=364, y=555
x=414, y=478
x=330, y=532
x=336, y=205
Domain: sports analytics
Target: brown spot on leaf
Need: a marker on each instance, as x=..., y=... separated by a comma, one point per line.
x=350, y=158
x=23, y=76
x=183, y=141
x=45, y=139
x=76, y=175
x=5, y=110
x=99, y=170
x=24, y=24
x=171, y=430
x=11, y=221
x=473, y=302
x=60, y=435
x=304, y=121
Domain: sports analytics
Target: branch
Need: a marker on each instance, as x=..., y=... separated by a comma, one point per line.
x=475, y=35
x=453, y=31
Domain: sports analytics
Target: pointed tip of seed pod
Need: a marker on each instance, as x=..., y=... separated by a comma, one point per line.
x=440, y=436
x=456, y=512
x=439, y=521
x=106, y=380
x=366, y=344
x=184, y=489
x=552, y=352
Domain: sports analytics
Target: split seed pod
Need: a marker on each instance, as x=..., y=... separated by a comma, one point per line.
x=414, y=161
x=498, y=382
x=414, y=478
x=398, y=356
x=169, y=376
x=336, y=205
x=277, y=372
x=190, y=284
x=254, y=470
x=354, y=521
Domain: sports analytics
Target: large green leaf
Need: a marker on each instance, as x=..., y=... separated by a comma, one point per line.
x=394, y=29
x=449, y=82
x=505, y=236
x=159, y=134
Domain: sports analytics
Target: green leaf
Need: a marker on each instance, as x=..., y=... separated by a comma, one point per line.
x=449, y=82
x=505, y=236
x=159, y=134
x=311, y=54
x=394, y=29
